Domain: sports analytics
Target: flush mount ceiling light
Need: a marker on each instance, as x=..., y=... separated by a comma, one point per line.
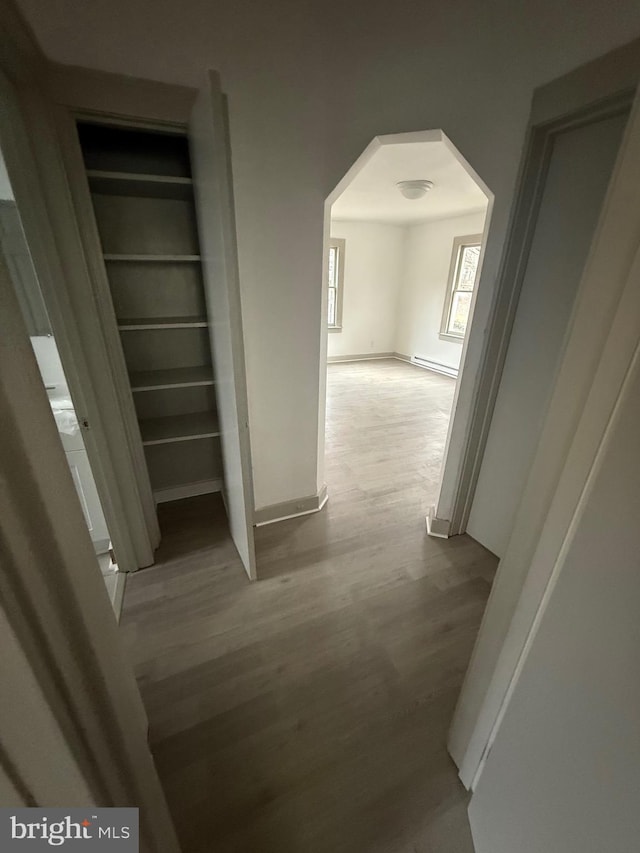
x=414, y=189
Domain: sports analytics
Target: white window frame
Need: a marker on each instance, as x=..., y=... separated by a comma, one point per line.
x=339, y=244
x=459, y=243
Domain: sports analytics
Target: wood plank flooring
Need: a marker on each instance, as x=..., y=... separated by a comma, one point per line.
x=308, y=712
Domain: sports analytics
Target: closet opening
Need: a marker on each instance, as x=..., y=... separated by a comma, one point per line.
x=143, y=204
x=154, y=204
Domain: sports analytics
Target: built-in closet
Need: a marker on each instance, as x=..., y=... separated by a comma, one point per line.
x=142, y=194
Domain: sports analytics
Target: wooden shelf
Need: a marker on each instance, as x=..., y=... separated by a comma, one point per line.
x=134, y=184
x=142, y=195
x=137, y=324
x=177, y=377
x=178, y=467
x=153, y=258
x=179, y=428
x=186, y=490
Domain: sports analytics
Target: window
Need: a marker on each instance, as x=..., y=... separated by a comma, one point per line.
x=336, y=282
x=462, y=279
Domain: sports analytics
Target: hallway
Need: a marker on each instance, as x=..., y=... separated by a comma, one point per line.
x=308, y=712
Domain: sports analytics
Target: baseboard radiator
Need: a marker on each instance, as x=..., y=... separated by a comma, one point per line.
x=435, y=366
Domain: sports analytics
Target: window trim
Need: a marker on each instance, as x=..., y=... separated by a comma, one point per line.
x=338, y=243
x=456, y=254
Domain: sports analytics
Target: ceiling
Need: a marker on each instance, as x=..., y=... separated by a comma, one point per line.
x=373, y=196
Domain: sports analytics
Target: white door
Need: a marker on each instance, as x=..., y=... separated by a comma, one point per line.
x=559, y=729
x=210, y=164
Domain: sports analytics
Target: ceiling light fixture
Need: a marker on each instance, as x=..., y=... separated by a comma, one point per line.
x=414, y=189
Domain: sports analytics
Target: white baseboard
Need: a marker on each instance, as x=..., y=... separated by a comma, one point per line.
x=365, y=356
x=425, y=364
x=118, y=596
x=190, y=490
x=437, y=527
x=101, y=546
x=291, y=509
x=115, y=583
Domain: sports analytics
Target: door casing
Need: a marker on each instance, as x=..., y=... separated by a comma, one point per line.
x=213, y=190
x=602, y=88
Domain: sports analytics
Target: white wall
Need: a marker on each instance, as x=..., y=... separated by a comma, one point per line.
x=373, y=272
x=29, y=730
x=305, y=98
x=424, y=290
x=395, y=285
x=564, y=770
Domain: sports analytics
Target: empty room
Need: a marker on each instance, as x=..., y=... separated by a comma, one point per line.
x=320, y=344
x=406, y=235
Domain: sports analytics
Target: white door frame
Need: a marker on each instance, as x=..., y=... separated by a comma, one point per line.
x=89, y=726
x=603, y=338
x=129, y=102
x=555, y=107
x=213, y=195
x=468, y=375
x=32, y=157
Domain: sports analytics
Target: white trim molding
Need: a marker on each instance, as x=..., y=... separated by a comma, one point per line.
x=117, y=601
x=364, y=356
x=598, y=356
x=416, y=360
x=291, y=509
x=439, y=528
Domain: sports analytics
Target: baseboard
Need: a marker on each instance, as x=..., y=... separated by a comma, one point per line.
x=437, y=527
x=425, y=364
x=291, y=509
x=190, y=490
x=118, y=597
x=365, y=356
x=101, y=546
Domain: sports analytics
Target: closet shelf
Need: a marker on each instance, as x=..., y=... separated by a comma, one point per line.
x=176, y=377
x=108, y=256
x=136, y=324
x=179, y=428
x=135, y=184
x=140, y=185
x=178, y=491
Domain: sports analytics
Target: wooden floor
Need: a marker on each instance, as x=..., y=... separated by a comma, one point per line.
x=308, y=712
